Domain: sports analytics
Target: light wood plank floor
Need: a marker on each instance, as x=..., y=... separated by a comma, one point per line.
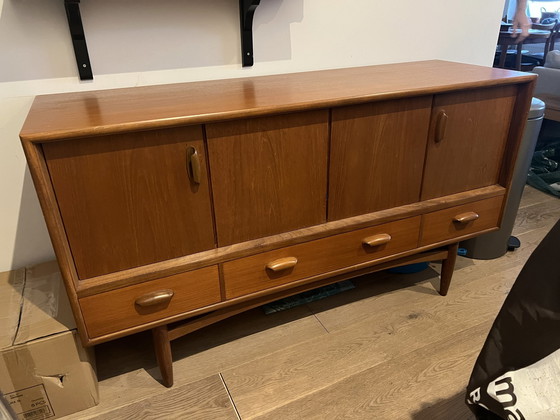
x=391, y=348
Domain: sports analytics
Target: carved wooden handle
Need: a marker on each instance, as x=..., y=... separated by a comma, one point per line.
x=155, y=298
x=466, y=217
x=377, y=240
x=282, y=264
x=441, y=125
x=193, y=161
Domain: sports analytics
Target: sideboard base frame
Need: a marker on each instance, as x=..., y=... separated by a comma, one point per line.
x=164, y=334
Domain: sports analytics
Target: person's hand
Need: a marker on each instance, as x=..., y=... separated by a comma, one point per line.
x=520, y=21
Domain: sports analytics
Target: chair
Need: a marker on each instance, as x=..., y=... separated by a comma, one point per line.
x=521, y=58
x=540, y=57
x=553, y=37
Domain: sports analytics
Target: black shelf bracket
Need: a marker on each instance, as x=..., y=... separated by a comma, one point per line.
x=78, y=38
x=246, y=12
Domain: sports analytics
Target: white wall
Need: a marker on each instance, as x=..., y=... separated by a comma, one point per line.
x=140, y=42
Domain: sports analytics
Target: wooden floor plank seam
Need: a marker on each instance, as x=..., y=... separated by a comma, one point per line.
x=319, y=320
x=230, y=397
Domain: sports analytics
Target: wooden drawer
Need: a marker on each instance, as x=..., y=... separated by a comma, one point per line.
x=443, y=225
x=118, y=309
x=248, y=275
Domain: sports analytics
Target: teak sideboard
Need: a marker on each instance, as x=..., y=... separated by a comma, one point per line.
x=173, y=207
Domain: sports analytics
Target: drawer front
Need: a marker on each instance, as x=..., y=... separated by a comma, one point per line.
x=131, y=306
x=461, y=220
x=281, y=266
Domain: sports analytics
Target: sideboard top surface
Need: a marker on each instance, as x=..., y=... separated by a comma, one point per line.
x=91, y=113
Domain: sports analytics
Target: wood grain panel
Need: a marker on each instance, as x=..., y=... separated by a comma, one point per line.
x=269, y=175
x=470, y=153
x=537, y=215
x=248, y=275
x=389, y=385
x=45, y=193
x=516, y=131
x=69, y=115
x=116, y=310
x=127, y=200
x=215, y=256
x=440, y=225
x=377, y=155
x=201, y=400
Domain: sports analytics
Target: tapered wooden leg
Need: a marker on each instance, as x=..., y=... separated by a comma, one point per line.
x=162, y=347
x=447, y=267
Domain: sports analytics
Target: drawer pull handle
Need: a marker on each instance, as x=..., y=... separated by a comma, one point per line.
x=282, y=264
x=377, y=240
x=466, y=217
x=441, y=125
x=193, y=162
x=155, y=298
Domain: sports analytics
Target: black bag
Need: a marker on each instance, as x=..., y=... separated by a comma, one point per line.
x=517, y=374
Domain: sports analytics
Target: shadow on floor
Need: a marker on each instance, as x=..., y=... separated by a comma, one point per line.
x=453, y=408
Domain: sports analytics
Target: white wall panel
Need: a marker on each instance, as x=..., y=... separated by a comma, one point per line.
x=140, y=42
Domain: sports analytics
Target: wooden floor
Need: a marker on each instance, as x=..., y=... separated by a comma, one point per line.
x=391, y=348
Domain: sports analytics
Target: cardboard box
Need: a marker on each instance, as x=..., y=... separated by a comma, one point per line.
x=45, y=373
